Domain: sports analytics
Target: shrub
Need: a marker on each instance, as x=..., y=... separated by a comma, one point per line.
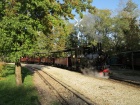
x=6, y=70
x=2, y=64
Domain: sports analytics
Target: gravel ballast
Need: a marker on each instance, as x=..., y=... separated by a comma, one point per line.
x=101, y=91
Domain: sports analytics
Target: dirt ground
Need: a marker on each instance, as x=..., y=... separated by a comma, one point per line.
x=105, y=91
x=46, y=95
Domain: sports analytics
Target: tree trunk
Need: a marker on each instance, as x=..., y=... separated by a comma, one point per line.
x=18, y=74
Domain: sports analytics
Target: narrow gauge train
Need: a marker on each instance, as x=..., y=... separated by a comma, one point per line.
x=88, y=60
x=127, y=60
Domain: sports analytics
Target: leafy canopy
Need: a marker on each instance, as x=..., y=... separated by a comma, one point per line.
x=22, y=20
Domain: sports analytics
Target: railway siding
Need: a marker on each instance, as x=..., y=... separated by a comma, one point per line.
x=128, y=75
x=101, y=91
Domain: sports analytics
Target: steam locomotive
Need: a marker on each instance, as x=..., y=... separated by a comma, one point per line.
x=87, y=60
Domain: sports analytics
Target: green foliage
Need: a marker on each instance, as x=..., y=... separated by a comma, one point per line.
x=18, y=36
x=22, y=20
x=72, y=40
x=97, y=27
x=120, y=32
x=126, y=29
x=132, y=36
x=6, y=70
x=13, y=95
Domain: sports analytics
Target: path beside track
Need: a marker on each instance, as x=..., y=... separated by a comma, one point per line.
x=101, y=91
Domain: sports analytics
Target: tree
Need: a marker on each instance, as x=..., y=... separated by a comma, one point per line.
x=117, y=36
x=21, y=21
x=126, y=28
x=72, y=40
x=97, y=27
x=17, y=39
x=132, y=34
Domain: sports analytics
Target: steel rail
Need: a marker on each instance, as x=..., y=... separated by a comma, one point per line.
x=76, y=93
x=47, y=83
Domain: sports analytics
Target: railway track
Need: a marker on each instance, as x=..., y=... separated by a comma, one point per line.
x=126, y=81
x=66, y=94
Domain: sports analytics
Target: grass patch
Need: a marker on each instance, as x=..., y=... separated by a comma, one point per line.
x=10, y=94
